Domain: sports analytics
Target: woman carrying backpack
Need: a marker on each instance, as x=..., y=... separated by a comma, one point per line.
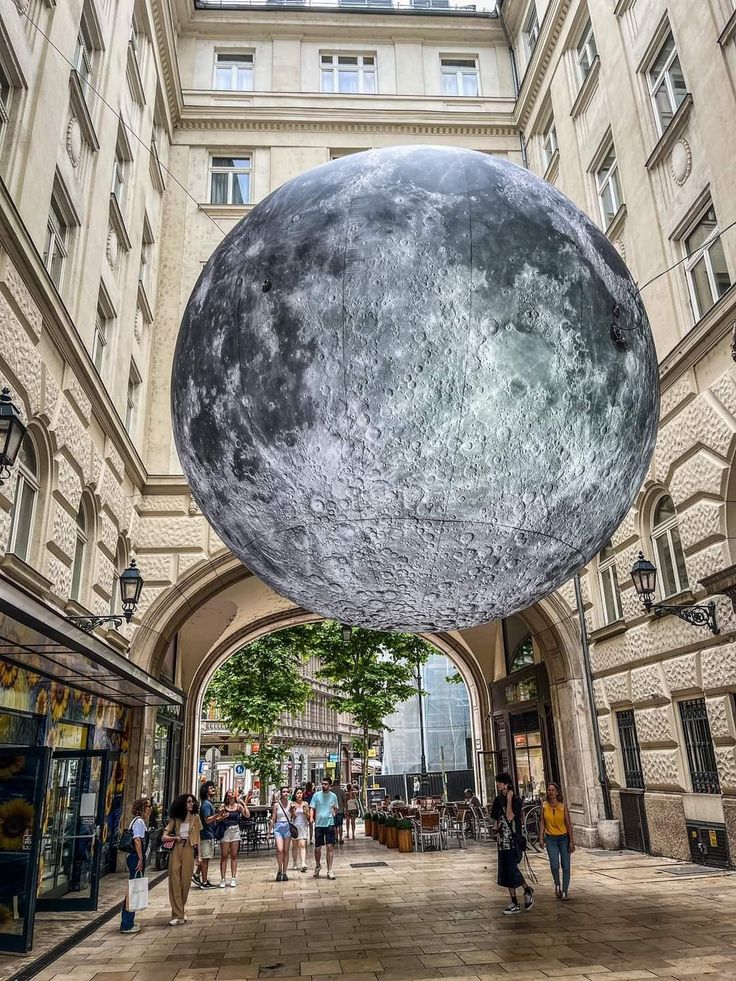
x=555, y=832
x=507, y=812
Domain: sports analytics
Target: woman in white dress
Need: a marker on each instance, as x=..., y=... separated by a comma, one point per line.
x=299, y=811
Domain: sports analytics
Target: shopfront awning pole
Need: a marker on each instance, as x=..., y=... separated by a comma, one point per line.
x=602, y=777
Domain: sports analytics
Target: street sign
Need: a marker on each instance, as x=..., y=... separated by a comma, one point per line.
x=213, y=755
x=375, y=796
x=239, y=769
x=202, y=765
x=333, y=758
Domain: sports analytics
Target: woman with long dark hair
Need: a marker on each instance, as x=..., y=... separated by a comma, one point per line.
x=182, y=832
x=507, y=812
x=230, y=814
x=555, y=833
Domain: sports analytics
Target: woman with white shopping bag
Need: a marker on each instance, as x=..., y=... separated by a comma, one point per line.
x=181, y=837
x=137, y=833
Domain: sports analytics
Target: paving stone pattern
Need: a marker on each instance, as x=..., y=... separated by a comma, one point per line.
x=436, y=915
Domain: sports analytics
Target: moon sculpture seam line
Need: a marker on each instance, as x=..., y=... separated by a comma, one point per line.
x=410, y=426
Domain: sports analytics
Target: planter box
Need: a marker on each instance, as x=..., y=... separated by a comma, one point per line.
x=382, y=829
x=392, y=837
x=405, y=840
x=374, y=829
x=368, y=827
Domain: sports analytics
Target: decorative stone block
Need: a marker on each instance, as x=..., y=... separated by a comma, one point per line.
x=725, y=391
x=681, y=390
x=108, y=535
x=51, y=394
x=661, y=768
x=726, y=762
x=113, y=497
x=71, y=434
x=163, y=504
x=599, y=695
x=703, y=520
x=666, y=821
x=699, y=474
x=647, y=684
x=618, y=688
x=626, y=530
x=159, y=568
x=68, y=482
x=720, y=717
x=681, y=673
x=114, y=459
x=20, y=355
x=655, y=725
x=172, y=532
x=718, y=667
x=604, y=730
x=20, y=297
x=76, y=395
x=63, y=538
x=60, y=575
x=186, y=561
x=707, y=561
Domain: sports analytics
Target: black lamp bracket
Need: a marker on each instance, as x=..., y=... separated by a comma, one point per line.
x=698, y=615
x=89, y=623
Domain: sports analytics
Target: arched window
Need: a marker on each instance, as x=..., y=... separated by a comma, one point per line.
x=26, y=499
x=668, y=548
x=609, y=585
x=80, y=552
x=518, y=646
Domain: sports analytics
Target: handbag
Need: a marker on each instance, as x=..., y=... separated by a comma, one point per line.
x=137, y=894
x=126, y=842
x=293, y=830
x=219, y=831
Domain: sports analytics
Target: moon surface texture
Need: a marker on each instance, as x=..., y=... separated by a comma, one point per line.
x=415, y=389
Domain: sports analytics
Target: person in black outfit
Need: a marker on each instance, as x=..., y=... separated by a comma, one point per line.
x=506, y=810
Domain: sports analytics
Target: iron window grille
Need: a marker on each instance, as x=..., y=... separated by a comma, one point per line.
x=699, y=747
x=633, y=773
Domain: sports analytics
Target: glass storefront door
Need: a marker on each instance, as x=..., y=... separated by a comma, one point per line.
x=528, y=754
x=71, y=852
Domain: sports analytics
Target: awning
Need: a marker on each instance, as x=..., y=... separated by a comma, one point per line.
x=35, y=636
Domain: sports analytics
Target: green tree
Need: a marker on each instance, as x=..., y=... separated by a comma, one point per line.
x=253, y=689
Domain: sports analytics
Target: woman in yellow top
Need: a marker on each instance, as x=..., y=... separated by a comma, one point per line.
x=555, y=831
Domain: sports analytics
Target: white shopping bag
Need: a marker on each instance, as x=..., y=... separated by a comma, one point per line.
x=137, y=894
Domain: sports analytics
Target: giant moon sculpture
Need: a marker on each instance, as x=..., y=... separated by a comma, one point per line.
x=415, y=389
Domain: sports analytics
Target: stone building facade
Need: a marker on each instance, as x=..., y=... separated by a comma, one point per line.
x=191, y=114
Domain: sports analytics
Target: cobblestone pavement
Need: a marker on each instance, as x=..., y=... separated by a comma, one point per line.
x=436, y=915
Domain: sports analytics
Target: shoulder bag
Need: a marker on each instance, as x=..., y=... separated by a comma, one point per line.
x=293, y=830
x=127, y=842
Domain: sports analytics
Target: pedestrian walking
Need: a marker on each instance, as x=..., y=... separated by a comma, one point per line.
x=323, y=810
x=182, y=832
x=136, y=860
x=208, y=817
x=230, y=814
x=340, y=815
x=351, y=809
x=299, y=813
x=507, y=812
x=281, y=830
x=555, y=833
x=308, y=794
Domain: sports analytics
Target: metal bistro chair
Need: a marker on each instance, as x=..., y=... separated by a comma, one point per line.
x=430, y=830
x=453, y=826
x=482, y=824
x=248, y=835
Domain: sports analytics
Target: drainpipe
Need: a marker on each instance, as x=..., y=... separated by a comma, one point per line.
x=514, y=77
x=602, y=778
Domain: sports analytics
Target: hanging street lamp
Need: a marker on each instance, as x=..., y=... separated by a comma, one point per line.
x=644, y=575
x=12, y=431
x=131, y=586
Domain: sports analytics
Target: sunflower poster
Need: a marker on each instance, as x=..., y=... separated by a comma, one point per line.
x=23, y=778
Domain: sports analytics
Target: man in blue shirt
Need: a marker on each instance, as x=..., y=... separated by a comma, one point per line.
x=323, y=808
x=207, y=816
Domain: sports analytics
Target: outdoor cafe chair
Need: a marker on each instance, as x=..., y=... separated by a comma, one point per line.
x=430, y=831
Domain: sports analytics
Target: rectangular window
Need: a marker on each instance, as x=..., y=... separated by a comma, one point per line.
x=609, y=187
x=230, y=180
x=348, y=74
x=705, y=266
x=587, y=51
x=530, y=30
x=234, y=72
x=118, y=176
x=99, y=341
x=549, y=142
x=699, y=747
x=666, y=84
x=55, y=249
x=84, y=58
x=633, y=774
x=131, y=400
x=144, y=269
x=6, y=90
x=459, y=76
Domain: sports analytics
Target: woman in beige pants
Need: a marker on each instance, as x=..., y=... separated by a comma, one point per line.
x=183, y=830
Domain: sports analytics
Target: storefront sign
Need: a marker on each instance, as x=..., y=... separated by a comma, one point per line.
x=522, y=691
x=69, y=736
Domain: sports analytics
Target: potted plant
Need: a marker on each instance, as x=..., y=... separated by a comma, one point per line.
x=382, y=828
x=404, y=836
x=368, y=824
x=392, y=840
x=374, y=825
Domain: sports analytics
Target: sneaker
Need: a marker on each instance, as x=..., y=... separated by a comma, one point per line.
x=195, y=878
x=198, y=883
x=134, y=929
x=512, y=908
x=279, y=876
x=284, y=877
x=528, y=899
x=316, y=871
x=563, y=897
x=294, y=867
x=183, y=919
x=330, y=874
x=174, y=922
x=558, y=892
x=222, y=883
x=304, y=868
x=233, y=883
x=209, y=885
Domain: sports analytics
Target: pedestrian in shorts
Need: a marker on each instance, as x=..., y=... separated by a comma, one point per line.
x=208, y=816
x=323, y=811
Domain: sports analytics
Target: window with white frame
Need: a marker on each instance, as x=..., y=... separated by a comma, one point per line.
x=26, y=497
x=6, y=92
x=668, y=548
x=608, y=582
x=234, y=72
x=459, y=76
x=80, y=550
x=144, y=269
x=666, y=83
x=230, y=180
x=348, y=74
x=705, y=265
x=530, y=31
x=101, y=338
x=586, y=51
x=609, y=187
x=84, y=57
x=131, y=400
x=57, y=240
x=549, y=142
x=119, y=171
